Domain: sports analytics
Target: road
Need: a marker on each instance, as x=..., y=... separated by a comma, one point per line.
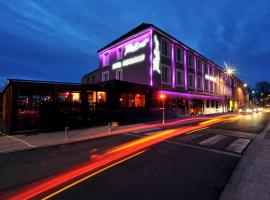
x=172, y=163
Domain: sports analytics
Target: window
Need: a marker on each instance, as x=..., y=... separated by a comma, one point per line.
x=139, y=100
x=199, y=82
x=190, y=61
x=132, y=100
x=119, y=53
x=205, y=68
x=179, y=77
x=87, y=80
x=75, y=97
x=207, y=104
x=199, y=65
x=106, y=59
x=165, y=74
x=216, y=104
x=212, y=103
x=119, y=74
x=191, y=81
x=179, y=55
x=105, y=76
x=165, y=48
x=206, y=85
x=93, y=79
x=101, y=97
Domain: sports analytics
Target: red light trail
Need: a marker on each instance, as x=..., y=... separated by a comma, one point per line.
x=57, y=183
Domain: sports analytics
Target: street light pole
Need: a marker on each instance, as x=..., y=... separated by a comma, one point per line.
x=162, y=96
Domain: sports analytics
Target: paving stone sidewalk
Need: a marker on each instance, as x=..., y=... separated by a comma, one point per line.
x=251, y=178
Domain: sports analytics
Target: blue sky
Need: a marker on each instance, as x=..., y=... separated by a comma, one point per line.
x=57, y=40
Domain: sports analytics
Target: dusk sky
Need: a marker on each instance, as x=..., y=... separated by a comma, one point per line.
x=57, y=40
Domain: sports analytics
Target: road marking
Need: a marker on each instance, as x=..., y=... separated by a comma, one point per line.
x=205, y=149
x=17, y=139
x=212, y=140
x=238, y=145
x=89, y=176
x=232, y=133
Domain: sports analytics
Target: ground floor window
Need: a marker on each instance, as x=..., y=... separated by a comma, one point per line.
x=132, y=100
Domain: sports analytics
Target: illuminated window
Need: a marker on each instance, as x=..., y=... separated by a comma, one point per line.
x=179, y=54
x=75, y=97
x=119, y=74
x=132, y=100
x=126, y=100
x=105, y=76
x=101, y=97
x=165, y=74
x=165, y=48
x=179, y=77
x=64, y=97
x=92, y=97
x=191, y=81
x=139, y=100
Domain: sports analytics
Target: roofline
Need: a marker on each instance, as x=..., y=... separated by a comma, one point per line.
x=151, y=26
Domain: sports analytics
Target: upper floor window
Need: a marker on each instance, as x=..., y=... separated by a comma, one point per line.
x=165, y=48
x=119, y=74
x=179, y=77
x=205, y=68
x=93, y=79
x=179, y=55
x=165, y=74
x=199, y=65
x=190, y=60
x=199, y=83
x=119, y=53
x=191, y=81
x=206, y=85
x=105, y=76
x=106, y=59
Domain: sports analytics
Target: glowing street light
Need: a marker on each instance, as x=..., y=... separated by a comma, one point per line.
x=163, y=96
x=229, y=69
x=245, y=85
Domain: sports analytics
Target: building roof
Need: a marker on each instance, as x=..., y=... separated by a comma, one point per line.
x=145, y=26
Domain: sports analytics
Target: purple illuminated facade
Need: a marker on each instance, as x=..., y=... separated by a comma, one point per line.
x=147, y=55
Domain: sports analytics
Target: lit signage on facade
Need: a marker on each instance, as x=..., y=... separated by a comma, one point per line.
x=130, y=48
x=156, y=60
x=129, y=61
x=211, y=78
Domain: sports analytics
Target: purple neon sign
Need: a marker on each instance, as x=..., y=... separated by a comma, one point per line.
x=173, y=65
x=190, y=96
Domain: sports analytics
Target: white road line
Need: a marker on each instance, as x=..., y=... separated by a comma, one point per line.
x=238, y=145
x=17, y=139
x=205, y=149
x=212, y=140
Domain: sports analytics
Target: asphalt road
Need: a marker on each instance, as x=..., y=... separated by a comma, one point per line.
x=193, y=166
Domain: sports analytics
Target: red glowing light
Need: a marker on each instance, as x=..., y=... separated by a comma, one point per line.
x=162, y=96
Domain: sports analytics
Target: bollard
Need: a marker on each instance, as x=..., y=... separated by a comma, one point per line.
x=110, y=127
x=66, y=131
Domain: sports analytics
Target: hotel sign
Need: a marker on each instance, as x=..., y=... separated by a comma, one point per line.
x=131, y=48
x=156, y=60
x=211, y=78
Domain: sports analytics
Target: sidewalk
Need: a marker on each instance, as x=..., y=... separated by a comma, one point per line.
x=12, y=143
x=251, y=177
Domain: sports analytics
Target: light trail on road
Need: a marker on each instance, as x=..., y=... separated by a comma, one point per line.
x=56, y=184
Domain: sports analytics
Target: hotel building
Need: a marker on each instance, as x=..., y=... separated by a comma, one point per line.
x=147, y=55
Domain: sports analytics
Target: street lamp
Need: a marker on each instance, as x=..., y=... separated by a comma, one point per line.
x=163, y=96
x=245, y=85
